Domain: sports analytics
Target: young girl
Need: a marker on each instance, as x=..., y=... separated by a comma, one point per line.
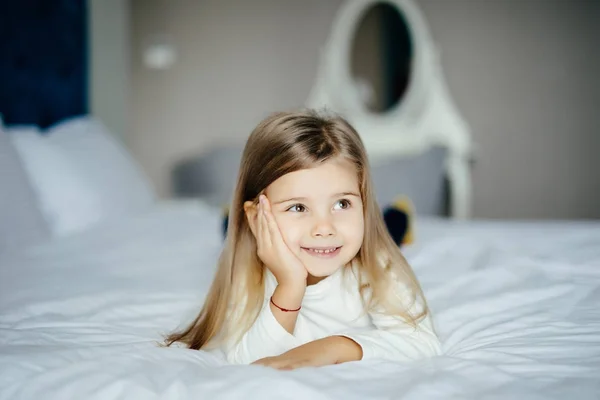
x=309, y=275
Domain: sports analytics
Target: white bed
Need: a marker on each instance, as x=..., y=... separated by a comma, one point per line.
x=93, y=272
x=515, y=305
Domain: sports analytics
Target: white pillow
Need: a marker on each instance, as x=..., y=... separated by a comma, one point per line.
x=67, y=202
x=104, y=163
x=81, y=175
x=21, y=220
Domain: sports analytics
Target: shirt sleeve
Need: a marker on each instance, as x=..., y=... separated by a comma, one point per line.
x=392, y=338
x=265, y=338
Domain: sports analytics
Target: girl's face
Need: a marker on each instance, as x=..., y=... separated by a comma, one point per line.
x=320, y=215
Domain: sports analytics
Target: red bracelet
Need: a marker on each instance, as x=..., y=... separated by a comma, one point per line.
x=284, y=309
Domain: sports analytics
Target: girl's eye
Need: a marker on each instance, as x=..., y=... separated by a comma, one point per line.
x=342, y=204
x=297, y=208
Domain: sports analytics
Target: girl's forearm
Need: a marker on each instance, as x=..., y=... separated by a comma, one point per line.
x=290, y=298
x=327, y=351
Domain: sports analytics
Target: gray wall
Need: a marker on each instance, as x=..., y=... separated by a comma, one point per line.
x=522, y=72
x=109, y=33
x=525, y=76
x=238, y=61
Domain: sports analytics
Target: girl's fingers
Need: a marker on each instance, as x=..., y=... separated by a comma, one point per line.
x=272, y=226
x=272, y=362
x=279, y=364
x=291, y=365
x=265, y=202
x=259, y=225
x=263, y=227
x=282, y=364
x=262, y=361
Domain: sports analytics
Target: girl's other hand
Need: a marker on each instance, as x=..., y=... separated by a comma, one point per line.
x=274, y=253
x=321, y=352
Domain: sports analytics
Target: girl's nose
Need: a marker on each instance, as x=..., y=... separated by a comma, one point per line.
x=323, y=227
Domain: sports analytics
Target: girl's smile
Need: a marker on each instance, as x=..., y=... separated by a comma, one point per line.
x=323, y=252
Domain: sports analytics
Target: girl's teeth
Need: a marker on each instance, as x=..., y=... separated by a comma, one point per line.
x=325, y=251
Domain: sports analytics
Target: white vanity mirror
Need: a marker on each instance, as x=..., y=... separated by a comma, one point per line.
x=380, y=69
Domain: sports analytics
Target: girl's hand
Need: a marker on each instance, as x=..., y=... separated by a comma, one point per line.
x=274, y=253
x=326, y=351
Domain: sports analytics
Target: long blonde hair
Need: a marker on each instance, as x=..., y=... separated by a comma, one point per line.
x=283, y=143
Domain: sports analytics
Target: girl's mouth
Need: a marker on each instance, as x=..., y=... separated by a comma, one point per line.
x=322, y=252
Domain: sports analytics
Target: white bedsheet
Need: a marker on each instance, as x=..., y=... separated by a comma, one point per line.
x=516, y=305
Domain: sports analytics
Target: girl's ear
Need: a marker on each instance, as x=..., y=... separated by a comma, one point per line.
x=251, y=211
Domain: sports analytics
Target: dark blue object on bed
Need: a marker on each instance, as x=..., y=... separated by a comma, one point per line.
x=43, y=68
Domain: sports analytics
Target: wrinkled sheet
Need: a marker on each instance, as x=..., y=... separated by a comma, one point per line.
x=516, y=306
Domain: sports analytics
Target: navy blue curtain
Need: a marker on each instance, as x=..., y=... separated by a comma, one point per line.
x=43, y=61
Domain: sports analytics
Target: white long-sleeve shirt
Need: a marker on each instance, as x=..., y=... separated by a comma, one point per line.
x=333, y=307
